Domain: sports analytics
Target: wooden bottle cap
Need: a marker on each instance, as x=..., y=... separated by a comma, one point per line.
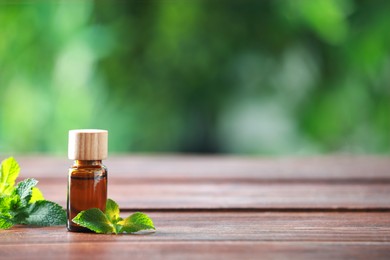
x=88, y=144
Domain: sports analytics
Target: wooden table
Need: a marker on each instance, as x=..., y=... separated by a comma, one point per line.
x=224, y=208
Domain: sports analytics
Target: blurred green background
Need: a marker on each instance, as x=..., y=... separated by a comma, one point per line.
x=247, y=77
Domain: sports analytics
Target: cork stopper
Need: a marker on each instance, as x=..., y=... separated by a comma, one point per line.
x=88, y=144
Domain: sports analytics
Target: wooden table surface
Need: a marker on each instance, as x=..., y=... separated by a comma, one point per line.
x=224, y=207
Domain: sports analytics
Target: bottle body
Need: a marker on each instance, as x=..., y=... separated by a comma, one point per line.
x=87, y=188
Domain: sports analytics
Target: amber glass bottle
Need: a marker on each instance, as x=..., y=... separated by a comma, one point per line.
x=87, y=180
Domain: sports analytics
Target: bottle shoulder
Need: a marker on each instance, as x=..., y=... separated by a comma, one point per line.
x=100, y=166
x=88, y=170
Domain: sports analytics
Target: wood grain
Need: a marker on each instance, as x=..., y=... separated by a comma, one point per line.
x=198, y=250
x=230, y=226
x=195, y=182
x=229, y=235
x=155, y=168
x=187, y=195
x=224, y=207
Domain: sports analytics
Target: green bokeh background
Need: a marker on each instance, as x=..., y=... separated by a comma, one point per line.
x=246, y=77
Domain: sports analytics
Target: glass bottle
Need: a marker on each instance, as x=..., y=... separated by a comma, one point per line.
x=87, y=180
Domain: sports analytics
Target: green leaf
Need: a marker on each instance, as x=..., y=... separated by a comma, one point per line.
x=110, y=222
x=45, y=213
x=36, y=195
x=137, y=222
x=24, y=190
x=5, y=221
x=10, y=203
x=24, y=204
x=19, y=215
x=112, y=211
x=9, y=171
x=5, y=204
x=95, y=220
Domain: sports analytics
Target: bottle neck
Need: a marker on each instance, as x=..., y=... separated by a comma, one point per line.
x=87, y=162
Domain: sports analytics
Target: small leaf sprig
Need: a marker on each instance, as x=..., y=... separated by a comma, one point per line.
x=110, y=222
x=24, y=203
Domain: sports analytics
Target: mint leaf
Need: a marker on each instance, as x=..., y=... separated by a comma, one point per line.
x=11, y=203
x=137, y=222
x=45, y=213
x=5, y=204
x=95, y=220
x=9, y=171
x=5, y=216
x=5, y=221
x=24, y=204
x=36, y=195
x=112, y=210
x=112, y=213
x=110, y=222
x=24, y=190
x=19, y=215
